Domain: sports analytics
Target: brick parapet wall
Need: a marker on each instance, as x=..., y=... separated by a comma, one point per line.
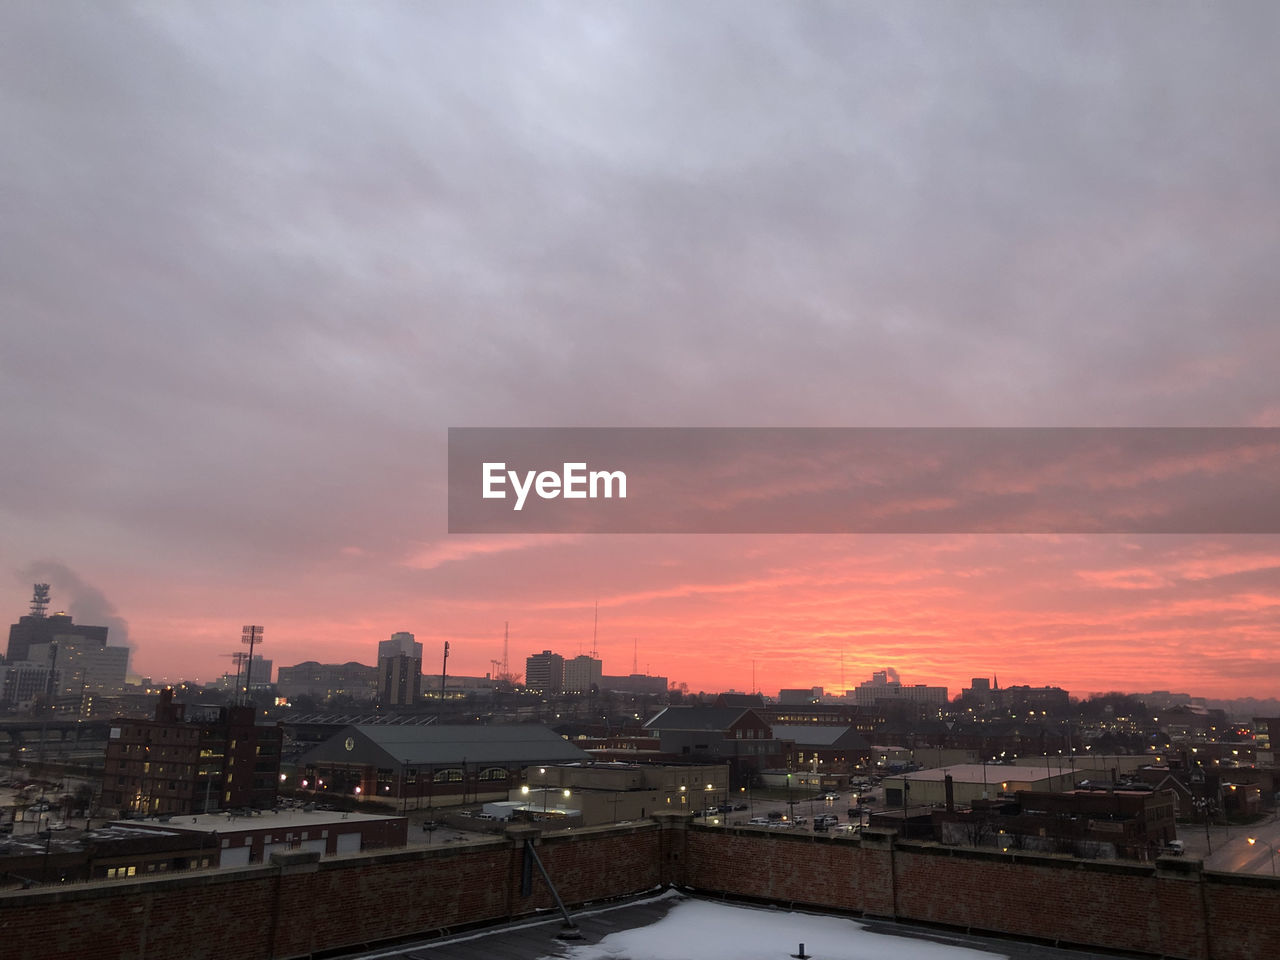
x=299, y=906
x=1171, y=908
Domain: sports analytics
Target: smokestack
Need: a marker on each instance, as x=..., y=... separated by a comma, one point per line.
x=950, y=786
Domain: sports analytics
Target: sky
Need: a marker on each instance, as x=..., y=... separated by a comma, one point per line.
x=256, y=259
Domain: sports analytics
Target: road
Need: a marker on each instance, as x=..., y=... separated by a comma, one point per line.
x=1236, y=855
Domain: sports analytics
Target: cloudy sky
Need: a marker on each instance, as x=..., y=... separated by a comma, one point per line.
x=256, y=258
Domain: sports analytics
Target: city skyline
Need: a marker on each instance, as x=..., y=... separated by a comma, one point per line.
x=256, y=261
x=813, y=657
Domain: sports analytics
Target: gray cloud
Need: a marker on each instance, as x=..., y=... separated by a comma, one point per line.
x=254, y=260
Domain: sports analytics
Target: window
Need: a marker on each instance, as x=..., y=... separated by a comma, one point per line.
x=493, y=773
x=452, y=775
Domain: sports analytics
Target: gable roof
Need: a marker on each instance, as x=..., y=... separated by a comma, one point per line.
x=812, y=735
x=390, y=746
x=697, y=718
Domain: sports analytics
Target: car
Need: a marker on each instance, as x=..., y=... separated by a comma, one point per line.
x=1174, y=848
x=831, y=796
x=739, y=806
x=759, y=821
x=725, y=808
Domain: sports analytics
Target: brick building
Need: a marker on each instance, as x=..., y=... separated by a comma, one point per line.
x=175, y=765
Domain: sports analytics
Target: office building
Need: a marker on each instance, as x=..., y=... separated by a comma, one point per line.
x=582, y=674
x=39, y=627
x=400, y=645
x=544, y=672
x=400, y=680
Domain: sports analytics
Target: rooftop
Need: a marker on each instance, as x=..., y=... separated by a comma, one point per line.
x=672, y=926
x=234, y=823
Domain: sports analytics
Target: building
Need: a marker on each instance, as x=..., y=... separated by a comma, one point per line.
x=967, y=783
x=400, y=645
x=323, y=681
x=831, y=750
x=582, y=674
x=26, y=683
x=237, y=841
x=731, y=735
x=175, y=765
x=37, y=627
x=544, y=672
x=1135, y=825
x=884, y=685
x=599, y=793
x=428, y=765
x=1266, y=737
x=400, y=679
x=79, y=666
x=800, y=695
x=638, y=683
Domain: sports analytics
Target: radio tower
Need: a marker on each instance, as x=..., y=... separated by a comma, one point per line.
x=506, y=646
x=39, y=600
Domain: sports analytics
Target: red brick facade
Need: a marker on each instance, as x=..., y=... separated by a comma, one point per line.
x=297, y=906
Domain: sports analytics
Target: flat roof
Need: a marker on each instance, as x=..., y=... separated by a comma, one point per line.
x=267, y=820
x=988, y=773
x=673, y=926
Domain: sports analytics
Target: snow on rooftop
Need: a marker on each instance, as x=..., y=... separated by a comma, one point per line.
x=717, y=931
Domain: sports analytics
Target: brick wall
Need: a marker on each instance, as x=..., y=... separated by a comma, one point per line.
x=298, y=906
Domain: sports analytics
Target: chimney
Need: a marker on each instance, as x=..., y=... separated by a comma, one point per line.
x=951, y=793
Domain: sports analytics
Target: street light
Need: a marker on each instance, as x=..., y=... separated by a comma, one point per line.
x=1270, y=849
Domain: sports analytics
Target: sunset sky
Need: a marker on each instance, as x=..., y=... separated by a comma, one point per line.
x=256, y=259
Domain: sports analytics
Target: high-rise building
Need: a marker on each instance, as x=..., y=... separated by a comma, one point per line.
x=25, y=683
x=401, y=680
x=81, y=666
x=399, y=670
x=544, y=672
x=582, y=673
x=400, y=644
x=38, y=627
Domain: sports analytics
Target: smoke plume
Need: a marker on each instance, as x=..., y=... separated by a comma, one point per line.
x=85, y=603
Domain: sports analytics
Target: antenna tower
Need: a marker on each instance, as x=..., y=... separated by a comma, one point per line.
x=39, y=600
x=595, y=626
x=506, y=645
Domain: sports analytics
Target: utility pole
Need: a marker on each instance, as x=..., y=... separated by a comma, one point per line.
x=444, y=670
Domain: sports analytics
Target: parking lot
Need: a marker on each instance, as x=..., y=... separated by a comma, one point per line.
x=842, y=811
